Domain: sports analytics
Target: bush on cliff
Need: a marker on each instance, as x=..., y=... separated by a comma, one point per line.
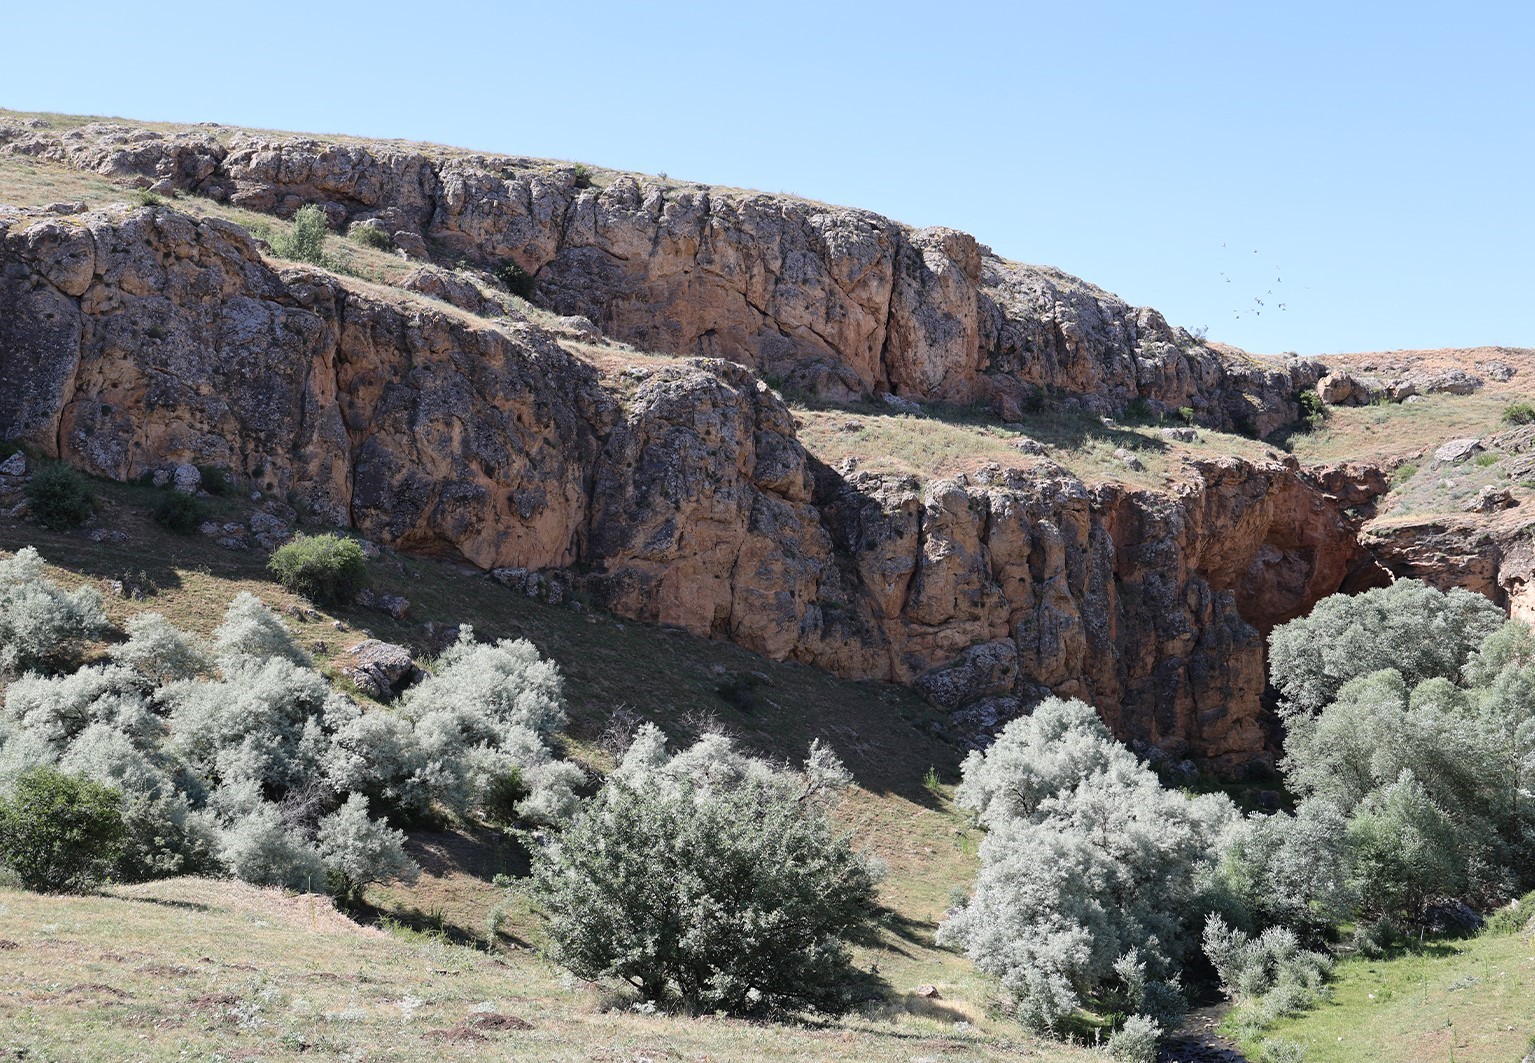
x=60, y=497
x=323, y=568
x=305, y=241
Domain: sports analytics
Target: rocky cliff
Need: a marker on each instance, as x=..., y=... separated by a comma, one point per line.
x=831, y=301
x=436, y=418
x=130, y=339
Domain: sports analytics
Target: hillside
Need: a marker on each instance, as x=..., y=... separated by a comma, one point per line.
x=975, y=530
x=888, y=737
x=727, y=458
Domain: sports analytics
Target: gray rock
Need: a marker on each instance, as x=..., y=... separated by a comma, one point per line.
x=1129, y=460
x=1490, y=499
x=108, y=535
x=1457, y=450
x=186, y=479
x=161, y=477
x=379, y=669
x=1029, y=446
x=209, y=527
x=577, y=327
x=15, y=465
x=366, y=598
x=987, y=669
x=902, y=405
x=1181, y=435
x=396, y=606
x=233, y=542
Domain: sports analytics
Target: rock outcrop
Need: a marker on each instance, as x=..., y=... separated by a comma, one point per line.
x=834, y=301
x=135, y=339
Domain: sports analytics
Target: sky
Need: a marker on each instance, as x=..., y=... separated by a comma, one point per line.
x=1300, y=177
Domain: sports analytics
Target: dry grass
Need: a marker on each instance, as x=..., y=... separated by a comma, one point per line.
x=869, y=438
x=210, y=970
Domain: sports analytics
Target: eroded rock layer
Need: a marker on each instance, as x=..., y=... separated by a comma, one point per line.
x=834, y=301
x=130, y=339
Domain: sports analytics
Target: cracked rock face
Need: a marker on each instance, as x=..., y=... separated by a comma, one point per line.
x=134, y=340
x=835, y=301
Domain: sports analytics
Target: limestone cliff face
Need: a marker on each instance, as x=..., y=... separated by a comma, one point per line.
x=834, y=301
x=134, y=338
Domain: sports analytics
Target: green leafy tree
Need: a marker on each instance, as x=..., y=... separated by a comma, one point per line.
x=60, y=833
x=324, y=568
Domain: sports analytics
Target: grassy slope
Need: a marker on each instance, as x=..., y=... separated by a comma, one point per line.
x=1464, y=1001
x=883, y=732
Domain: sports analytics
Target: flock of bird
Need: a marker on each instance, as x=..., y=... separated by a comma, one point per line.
x=1258, y=304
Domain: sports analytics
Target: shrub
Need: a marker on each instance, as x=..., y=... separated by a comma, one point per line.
x=178, y=512
x=257, y=847
x=324, y=568
x=267, y=722
x=1086, y=859
x=736, y=898
x=582, y=174
x=486, y=711
x=1136, y=1041
x=1281, y=1050
x=1519, y=413
x=517, y=280
x=1250, y=967
x=215, y=479
x=60, y=833
x=57, y=708
x=143, y=197
x=369, y=235
x=357, y=851
x=305, y=241
x=159, y=651
x=251, y=630
x=1402, y=473
x=60, y=497
x=1186, y=414
x=1313, y=411
x=42, y=626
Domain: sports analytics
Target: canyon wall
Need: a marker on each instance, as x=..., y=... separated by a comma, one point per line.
x=831, y=301
x=130, y=339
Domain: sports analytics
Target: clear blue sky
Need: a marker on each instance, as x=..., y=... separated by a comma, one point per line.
x=1377, y=157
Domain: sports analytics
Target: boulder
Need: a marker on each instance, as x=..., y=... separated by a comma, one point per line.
x=14, y=466
x=1458, y=450
x=1491, y=499
x=1128, y=459
x=988, y=669
x=1181, y=435
x=395, y=605
x=378, y=669
x=1339, y=389
x=186, y=479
